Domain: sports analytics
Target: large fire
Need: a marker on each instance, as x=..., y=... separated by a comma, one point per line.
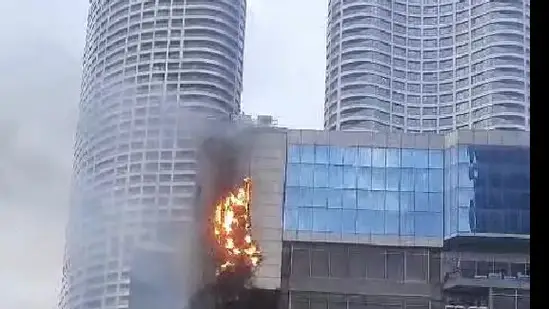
x=232, y=227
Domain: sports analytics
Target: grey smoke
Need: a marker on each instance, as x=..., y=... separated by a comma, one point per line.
x=183, y=251
x=37, y=120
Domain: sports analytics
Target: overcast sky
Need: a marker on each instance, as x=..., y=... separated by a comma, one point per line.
x=40, y=66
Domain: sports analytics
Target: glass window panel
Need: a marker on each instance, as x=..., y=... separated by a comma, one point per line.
x=453, y=220
x=378, y=221
x=395, y=266
x=305, y=219
x=348, y=221
x=525, y=221
x=306, y=197
x=437, y=226
x=355, y=262
x=320, y=197
x=307, y=154
x=407, y=158
x=421, y=201
x=363, y=222
x=339, y=268
x=349, y=177
x=453, y=176
x=300, y=302
x=378, y=157
x=468, y=268
x=496, y=222
x=393, y=157
x=484, y=268
x=416, y=266
x=365, y=199
x=512, y=222
x=321, y=176
x=349, y=199
x=464, y=178
x=334, y=220
x=335, y=199
x=290, y=219
x=306, y=175
x=453, y=156
x=393, y=179
x=407, y=179
x=292, y=174
x=463, y=220
x=421, y=180
x=523, y=301
x=392, y=201
x=292, y=198
x=392, y=222
x=375, y=261
x=447, y=157
x=364, y=156
x=294, y=154
x=447, y=179
x=436, y=158
x=350, y=155
x=320, y=264
x=463, y=154
x=436, y=202
x=336, y=155
x=378, y=178
x=322, y=154
x=424, y=224
x=320, y=220
x=407, y=201
x=378, y=200
x=517, y=268
x=436, y=180
x=370, y=221
x=407, y=224
x=465, y=196
x=421, y=158
x=336, y=176
x=435, y=270
x=364, y=178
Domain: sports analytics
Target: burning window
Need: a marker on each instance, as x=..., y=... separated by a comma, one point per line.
x=236, y=251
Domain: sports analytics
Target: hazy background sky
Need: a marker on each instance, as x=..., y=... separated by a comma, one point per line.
x=42, y=42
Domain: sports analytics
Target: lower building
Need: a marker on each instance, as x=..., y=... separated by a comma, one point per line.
x=385, y=220
x=360, y=220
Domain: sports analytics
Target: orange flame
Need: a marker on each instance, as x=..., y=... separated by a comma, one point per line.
x=232, y=228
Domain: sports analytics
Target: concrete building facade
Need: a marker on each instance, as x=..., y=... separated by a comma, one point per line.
x=146, y=65
x=427, y=66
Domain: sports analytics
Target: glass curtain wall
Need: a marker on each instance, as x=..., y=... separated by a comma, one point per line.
x=364, y=190
x=487, y=190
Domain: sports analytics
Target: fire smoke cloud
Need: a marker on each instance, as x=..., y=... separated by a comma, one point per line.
x=223, y=151
x=222, y=148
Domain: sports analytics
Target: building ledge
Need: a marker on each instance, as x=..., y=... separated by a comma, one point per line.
x=364, y=286
x=488, y=243
x=456, y=281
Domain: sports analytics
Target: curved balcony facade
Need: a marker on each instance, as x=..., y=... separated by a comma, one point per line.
x=145, y=64
x=428, y=66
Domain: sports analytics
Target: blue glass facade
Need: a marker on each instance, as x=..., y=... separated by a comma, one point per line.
x=487, y=190
x=364, y=190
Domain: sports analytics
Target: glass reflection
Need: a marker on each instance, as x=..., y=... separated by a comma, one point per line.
x=363, y=190
x=489, y=190
x=484, y=189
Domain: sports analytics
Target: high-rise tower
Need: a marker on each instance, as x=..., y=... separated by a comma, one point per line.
x=146, y=62
x=428, y=65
